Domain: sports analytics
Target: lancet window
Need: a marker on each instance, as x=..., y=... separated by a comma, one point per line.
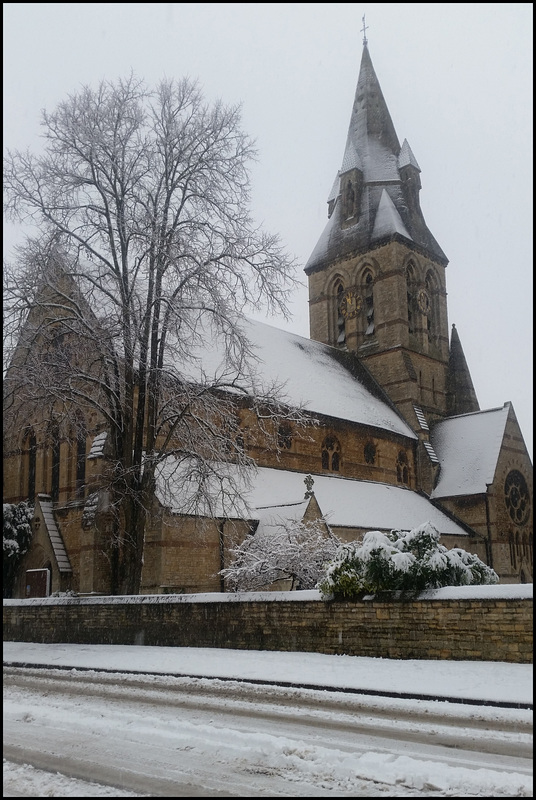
x=28, y=472
x=411, y=288
x=369, y=302
x=402, y=468
x=341, y=323
x=331, y=454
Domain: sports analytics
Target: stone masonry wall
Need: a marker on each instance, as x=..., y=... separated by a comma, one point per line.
x=382, y=627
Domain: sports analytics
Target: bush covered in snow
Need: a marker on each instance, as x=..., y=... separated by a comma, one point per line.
x=400, y=560
x=289, y=550
x=17, y=537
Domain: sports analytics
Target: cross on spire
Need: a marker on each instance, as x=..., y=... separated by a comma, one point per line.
x=364, y=31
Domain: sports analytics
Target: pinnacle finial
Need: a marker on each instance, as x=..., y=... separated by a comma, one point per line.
x=308, y=481
x=364, y=31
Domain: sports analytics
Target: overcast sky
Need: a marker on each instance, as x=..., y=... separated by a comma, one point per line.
x=457, y=79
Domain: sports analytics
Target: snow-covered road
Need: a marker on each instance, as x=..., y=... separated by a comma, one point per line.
x=178, y=737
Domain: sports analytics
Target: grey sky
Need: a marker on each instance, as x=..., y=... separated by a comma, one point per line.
x=457, y=78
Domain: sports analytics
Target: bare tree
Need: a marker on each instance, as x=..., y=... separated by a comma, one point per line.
x=292, y=550
x=146, y=256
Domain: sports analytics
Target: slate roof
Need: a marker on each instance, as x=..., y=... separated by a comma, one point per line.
x=344, y=502
x=468, y=448
x=373, y=148
x=60, y=553
x=97, y=446
x=321, y=379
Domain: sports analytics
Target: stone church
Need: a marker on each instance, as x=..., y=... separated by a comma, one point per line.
x=396, y=439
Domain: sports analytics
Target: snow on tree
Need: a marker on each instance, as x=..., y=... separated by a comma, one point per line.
x=146, y=254
x=287, y=549
x=400, y=560
x=17, y=538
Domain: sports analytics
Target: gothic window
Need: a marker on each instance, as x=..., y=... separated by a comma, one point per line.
x=516, y=497
x=80, y=458
x=432, y=315
x=231, y=438
x=411, y=287
x=29, y=448
x=284, y=436
x=349, y=199
x=341, y=324
x=402, y=468
x=331, y=454
x=370, y=453
x=55, y=450
x=369, y=302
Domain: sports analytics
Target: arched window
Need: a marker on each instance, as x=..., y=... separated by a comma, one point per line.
x=55, y=450
x=432, y=319
x=402, y=468
x=341, y=323
x=368, y=292
x=81, y=434
x=284, y=436
x=349, y=199
x=411, y=288
x=29, y=454
x=331, y=454
x=370, y=453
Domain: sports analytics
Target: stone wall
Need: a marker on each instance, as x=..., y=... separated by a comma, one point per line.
x=388, y=626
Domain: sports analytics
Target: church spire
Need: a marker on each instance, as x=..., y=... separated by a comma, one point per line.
x=461, y=395
x=373, y=163
x=371, y=131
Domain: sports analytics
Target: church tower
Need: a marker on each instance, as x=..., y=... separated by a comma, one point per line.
x=377, y=275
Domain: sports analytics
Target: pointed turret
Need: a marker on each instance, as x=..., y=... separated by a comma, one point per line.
x=375, y=173
x=461, y=396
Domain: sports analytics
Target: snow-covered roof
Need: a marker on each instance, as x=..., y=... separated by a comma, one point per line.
x=388, y=220
x=406, y=156
x=468, y=448
x=312, y=375
x=344, y=502
x=335, y=188
x=97, y=447
x=273, y=517
x=373, y=147
x=353, y=503
x=351, y=159
x=60, y=553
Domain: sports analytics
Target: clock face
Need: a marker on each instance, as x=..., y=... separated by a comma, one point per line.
x=423, y=301
x=350, y=304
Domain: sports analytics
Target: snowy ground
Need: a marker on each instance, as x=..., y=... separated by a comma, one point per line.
x=261, y=740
